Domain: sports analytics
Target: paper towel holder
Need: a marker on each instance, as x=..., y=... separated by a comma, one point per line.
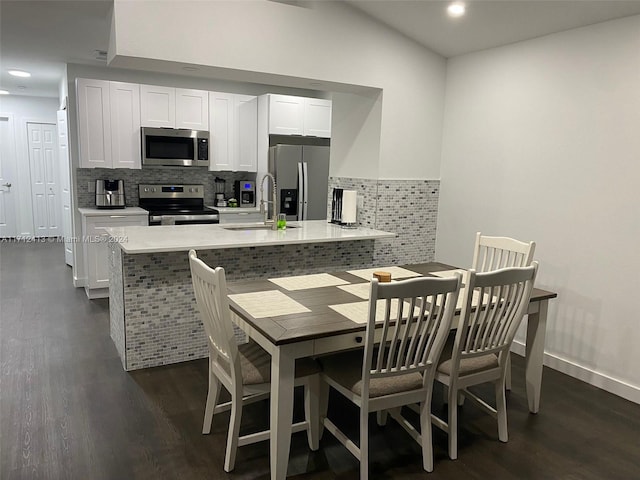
x=344, y=208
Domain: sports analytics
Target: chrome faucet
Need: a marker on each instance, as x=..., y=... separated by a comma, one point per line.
x=265, y=211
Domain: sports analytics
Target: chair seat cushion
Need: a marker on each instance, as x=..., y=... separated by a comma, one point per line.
x=256, y=365
x=467, y=365
x=346, y=369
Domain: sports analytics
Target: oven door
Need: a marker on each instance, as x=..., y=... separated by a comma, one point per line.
x=175, y=147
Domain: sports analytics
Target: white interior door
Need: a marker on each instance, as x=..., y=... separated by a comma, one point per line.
x=65, y=186
x=43, y=147
x=8, y=179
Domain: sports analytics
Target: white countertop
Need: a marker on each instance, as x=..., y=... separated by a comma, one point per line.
x=178, y=238
x=109, y=212
x=237, y=209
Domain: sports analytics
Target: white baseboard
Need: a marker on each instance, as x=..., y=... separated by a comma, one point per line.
x=79, y=282
x=611, y=385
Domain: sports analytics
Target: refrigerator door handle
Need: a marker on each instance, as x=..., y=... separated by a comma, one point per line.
x=301, y=191
x=306, y=190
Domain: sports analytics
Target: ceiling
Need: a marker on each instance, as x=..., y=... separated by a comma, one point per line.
x=490, y=23
x=41, y=36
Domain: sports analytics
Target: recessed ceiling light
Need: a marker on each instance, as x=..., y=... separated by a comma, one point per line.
x=456, y=9
x=4, y=92
x=19, y=73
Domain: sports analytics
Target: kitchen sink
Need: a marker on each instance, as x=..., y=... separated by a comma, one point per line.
x=254, y=227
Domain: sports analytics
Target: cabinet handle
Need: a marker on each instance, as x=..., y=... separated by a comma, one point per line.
x=358, y=339
x=117, y=216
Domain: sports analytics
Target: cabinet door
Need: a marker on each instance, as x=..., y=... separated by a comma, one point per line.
x=286, y=115
x=246, y=127
x=192, y=109
x=125, y=125
x=317, y=117
x=94, y=123
x=221, y=107
x=157, y=106
x=97, y=248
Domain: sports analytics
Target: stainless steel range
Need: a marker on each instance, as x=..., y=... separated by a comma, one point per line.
x=176, y=205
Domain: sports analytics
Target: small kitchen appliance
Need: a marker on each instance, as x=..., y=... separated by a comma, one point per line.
x=245, y=192
x=176, y=205
x=110, y=194
x=177, y=147
x=220, y=187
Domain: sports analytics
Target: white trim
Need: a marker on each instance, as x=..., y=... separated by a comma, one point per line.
x=13, y=154
x=600, y=380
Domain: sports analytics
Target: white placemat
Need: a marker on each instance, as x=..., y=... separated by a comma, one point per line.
x=361, y=290
x=359, y=311
x=303, y=282
x=270, y=303
x=449, y=273
x=396, y=272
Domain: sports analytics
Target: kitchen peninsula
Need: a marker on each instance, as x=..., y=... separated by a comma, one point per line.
x=153, y=314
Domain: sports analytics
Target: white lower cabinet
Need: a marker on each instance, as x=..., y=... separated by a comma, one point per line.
x=241, y=217
x=96, y=247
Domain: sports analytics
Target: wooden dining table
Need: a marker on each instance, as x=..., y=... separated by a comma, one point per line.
x=319, y=314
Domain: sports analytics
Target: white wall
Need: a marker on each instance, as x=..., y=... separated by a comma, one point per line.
x=326, y=42
x=541, y=143
x=26, y=109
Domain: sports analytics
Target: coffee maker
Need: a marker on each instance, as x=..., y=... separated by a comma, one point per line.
x=110, y=194
x=245, y=192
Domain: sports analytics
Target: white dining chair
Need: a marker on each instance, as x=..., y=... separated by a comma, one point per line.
x=244, y=370
x=494, y=304
x=407, y=327
x=493, y=253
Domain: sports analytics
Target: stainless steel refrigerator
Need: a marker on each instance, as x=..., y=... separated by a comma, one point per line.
x=302, y=179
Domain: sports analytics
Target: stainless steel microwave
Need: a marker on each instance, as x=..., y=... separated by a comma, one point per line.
x=175, y=147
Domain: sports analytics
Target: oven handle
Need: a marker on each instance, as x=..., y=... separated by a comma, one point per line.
x=185, y=218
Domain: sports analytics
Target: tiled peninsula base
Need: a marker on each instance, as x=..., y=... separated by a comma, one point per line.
x=153, y=313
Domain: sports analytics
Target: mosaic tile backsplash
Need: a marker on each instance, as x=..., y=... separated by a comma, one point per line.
x=131, y=177
x=406, y=207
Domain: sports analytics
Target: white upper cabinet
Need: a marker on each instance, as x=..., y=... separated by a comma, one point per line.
x=157, y=106
x=125, y=125
x=317, y=117
x=289, y=115
x=108, y=124
x=286, y=115
x=221, y=122
x=174, y=108
x=246, y=124
x=192, y=109
x=234, y=132
x=94, y=123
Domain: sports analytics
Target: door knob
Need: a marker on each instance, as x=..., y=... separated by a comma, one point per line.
x=8, y=185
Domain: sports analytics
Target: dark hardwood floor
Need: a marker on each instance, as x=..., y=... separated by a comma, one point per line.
x=69, y=411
